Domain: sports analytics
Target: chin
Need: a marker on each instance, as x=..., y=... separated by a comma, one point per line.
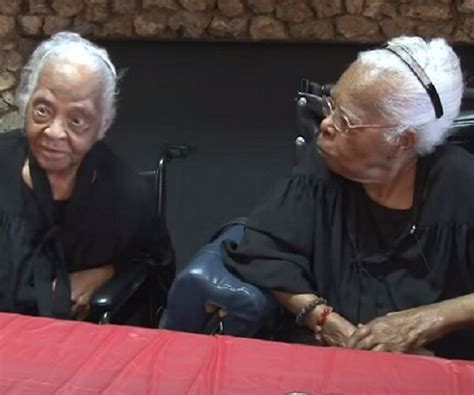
x=333, y=166
x=53, y=166
x=348, y=173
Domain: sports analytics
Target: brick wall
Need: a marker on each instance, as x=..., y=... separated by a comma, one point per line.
x=23, y=22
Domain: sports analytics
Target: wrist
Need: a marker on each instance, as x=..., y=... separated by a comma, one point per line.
x=307, y=310
x=323, y=315
x=442, y=319
x=432, y=323
x=107, y=271
x=457, y=313
x=318, y=316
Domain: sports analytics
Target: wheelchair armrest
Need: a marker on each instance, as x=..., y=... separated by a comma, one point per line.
x=206, y=280
x=115, y=292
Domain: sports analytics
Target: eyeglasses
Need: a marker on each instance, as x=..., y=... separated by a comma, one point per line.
x=340, y=122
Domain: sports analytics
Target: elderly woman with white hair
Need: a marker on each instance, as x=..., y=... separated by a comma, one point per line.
x=71, y=213
x=370, y=244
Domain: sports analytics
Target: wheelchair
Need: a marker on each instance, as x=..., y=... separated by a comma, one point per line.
x=136, y=294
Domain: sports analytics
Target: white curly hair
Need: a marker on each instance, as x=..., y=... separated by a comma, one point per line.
x=408, y=102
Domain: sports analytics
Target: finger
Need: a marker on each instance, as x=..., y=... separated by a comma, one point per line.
x=75, y=308
x=421, y=351
x=360, y=333
x=81, y=310
x=319, y=338
x=379, y=347
x=83, y=299
x=79, y=303
x=75, y=298
x=83, y=313
x=367, y=343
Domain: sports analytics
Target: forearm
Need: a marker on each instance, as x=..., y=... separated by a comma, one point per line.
x=330, y=329
x=455, y=314
x=425, y=324
x=295, y=302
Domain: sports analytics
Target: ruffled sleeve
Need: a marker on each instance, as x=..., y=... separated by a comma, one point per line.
x=277, y=248
x=16, y=274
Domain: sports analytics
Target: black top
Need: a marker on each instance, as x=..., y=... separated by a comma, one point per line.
x=109, y=219
x=321, y=233
x=381, y=225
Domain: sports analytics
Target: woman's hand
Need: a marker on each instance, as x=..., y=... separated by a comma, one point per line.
x=336, y=330
x=399, y=332
x=83, y=285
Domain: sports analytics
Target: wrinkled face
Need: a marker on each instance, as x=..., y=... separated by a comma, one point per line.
x=360, y=154
x=63, y=115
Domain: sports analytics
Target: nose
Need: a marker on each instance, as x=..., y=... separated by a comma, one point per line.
x=327, y=127
x=56, y=130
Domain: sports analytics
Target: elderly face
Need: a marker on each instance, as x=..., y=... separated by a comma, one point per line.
x=362, y=153
x=63, y=116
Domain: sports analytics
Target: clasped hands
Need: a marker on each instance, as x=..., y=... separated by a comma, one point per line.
x=405, y=331
x=83, y=285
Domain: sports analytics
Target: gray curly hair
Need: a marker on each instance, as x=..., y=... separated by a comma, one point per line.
x=72, y=47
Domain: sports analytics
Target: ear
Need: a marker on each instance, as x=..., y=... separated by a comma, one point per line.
x=407, y=139
x=104, y=126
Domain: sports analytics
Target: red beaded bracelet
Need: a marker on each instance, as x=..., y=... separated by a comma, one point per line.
x=324, y=314
x=319, y=325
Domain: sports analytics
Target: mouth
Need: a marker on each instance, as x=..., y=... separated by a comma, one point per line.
x=321, y=151
x=52, y=153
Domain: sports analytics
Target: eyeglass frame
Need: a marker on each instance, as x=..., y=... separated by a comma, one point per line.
x=327, y=109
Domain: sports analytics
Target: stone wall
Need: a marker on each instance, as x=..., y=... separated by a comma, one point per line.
x=23, y=22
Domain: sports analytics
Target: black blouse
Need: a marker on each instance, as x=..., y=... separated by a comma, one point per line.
x=321, y=233
x=109, y=219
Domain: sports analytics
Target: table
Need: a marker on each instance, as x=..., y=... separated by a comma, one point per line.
x=44, y=356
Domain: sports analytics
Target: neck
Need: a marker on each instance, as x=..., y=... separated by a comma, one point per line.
x=396, y=186
x=62, y=183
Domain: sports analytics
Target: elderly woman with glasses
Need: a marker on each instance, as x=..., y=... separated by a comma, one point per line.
x=370, y=243
x=71, y=213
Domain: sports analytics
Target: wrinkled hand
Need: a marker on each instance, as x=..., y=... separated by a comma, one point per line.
x=336, y=331
x=405, y=331
x=83, y=285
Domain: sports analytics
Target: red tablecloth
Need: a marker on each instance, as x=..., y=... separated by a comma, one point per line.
x=44, y=356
